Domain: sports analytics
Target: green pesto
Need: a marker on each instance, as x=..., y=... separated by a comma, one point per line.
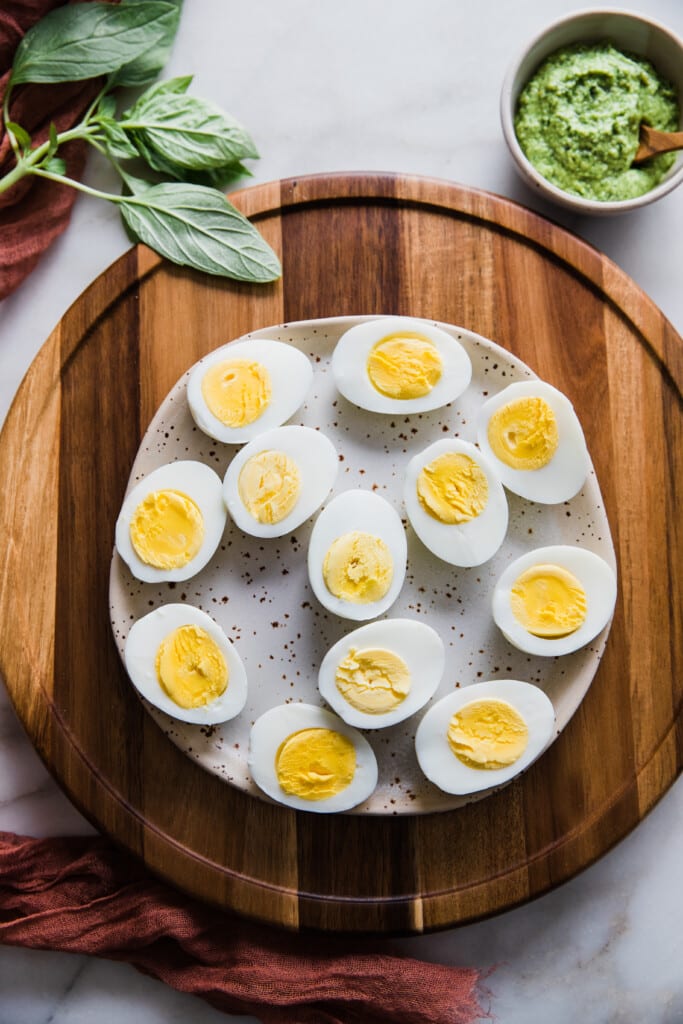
x=578, y=120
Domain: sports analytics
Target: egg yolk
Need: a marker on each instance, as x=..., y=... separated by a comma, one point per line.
x=269, y=485
x=404, y=366
x=167, y=529
x=453, y=488
x=548, y=601
x=358, y=568
x=237, y=391
x=190, y=667
x=523, y=433
x=374, y=680
x=315, y=764
x=488, y=734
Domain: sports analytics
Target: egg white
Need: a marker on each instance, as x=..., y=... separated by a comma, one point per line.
x=200, y=483
x=291, y=376
x=272, y=729
x=349, y=366
x=595, y=576
x=463, y=544
x=369, y=513
x=565, y=474
x=420, y=647
x=317, y=461
x=448, y=772
x=140, y=654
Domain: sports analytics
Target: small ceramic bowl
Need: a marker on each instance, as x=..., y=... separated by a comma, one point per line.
x=626, y=31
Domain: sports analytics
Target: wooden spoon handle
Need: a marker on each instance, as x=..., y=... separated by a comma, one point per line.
x=654, y=142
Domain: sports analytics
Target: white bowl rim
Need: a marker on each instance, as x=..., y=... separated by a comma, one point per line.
x=568, y=199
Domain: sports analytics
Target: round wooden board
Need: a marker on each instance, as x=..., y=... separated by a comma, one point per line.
x=350, y=244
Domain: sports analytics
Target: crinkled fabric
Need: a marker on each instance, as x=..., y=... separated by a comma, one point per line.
x=34, y=212
x=84, y=895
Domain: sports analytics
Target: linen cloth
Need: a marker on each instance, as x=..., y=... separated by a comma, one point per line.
x=83, y=895
x=34, y=212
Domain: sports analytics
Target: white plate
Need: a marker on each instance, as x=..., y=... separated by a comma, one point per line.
x=258, y=590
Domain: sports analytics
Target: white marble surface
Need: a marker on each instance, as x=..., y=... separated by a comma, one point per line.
x=376, y=85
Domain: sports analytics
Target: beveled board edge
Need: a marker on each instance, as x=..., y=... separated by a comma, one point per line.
x=434, y=910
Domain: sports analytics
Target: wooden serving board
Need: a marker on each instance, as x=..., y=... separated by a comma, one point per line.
x=350, y=244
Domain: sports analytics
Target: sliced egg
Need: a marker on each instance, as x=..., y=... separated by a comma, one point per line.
x=456, y=503
x=309, y=759
x=181, y=661
x=553, y=600
x=532, y=436
x=398, y=364
x=481, y=736
x=246, y=387
x=357, y=555
x=279, y=479
x=382, y=673
x=171, y=522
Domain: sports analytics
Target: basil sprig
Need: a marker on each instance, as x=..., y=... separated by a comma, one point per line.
x=166, y=134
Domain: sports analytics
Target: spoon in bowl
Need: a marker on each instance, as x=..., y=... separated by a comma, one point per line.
x=654, y=142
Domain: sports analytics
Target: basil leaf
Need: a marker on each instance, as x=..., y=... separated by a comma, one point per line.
x=169, y=85
x=215, y=177
x=53, y=144
x=189, y=132
x=166, y=168
x=134, y=184
x=20, y=134
x=147, y=66
x=220, y=178
x=107, y=107
x=197, y=227
x=117, y=142
x=84, y=40
x=55, y=165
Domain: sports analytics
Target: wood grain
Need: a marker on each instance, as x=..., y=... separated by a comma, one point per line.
x=350, y=244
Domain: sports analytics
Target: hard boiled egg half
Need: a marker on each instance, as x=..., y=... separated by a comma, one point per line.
x=481, y=736
x=307, y=758
x=532, y=436
x=181, y=661
x=171, y=522
x=357, y=555
x=456, y=503
x=382, y=673
x=555, y=599
x=400, y=365
x=246, y=387
x=279, y=479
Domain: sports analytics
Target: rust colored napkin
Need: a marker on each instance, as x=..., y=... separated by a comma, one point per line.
x=34, y=212
x=83, y=895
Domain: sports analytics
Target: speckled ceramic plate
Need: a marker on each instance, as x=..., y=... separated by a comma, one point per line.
x=258, y=590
